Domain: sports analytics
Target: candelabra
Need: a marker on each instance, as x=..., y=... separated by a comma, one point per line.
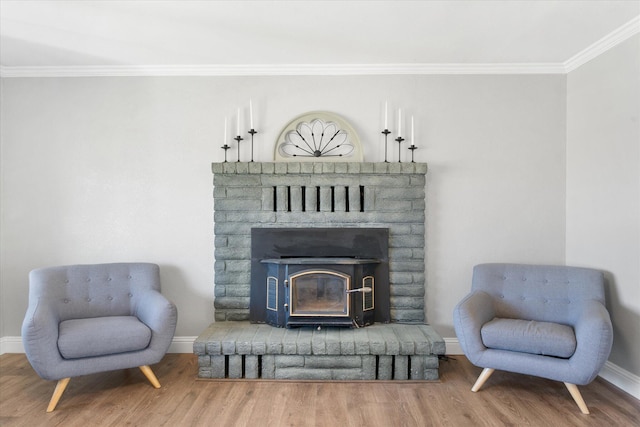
x=386, y=135
x=225, y=147
x=399, y=139
x=238, y=138
x=412, y=147
x=252, y=132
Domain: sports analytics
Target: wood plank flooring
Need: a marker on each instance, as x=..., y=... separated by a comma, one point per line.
x=125, y=398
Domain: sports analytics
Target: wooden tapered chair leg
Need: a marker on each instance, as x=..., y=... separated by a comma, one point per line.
x=57, y=393
x=577, y=396
x=146, y=370
x=484, y=376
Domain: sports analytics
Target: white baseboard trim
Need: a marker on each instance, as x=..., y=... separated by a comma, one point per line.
x=178, y=345
x=621, y=378
x=11, y=345
x=182, y=345
x=453, y=347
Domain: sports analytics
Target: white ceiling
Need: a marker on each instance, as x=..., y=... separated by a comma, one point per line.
x=146, y=33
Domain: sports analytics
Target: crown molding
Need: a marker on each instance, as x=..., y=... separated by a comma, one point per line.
x=278, y=70
x=609, y=41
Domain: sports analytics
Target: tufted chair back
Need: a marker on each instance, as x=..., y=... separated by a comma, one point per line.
x=82, y=291
x=549, y=294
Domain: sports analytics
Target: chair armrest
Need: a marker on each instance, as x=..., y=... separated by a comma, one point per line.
x=594, y=337
x=469, y=315
x=159, y=314
x=40, y=338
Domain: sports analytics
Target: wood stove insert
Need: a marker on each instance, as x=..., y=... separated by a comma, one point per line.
x=319, y=276
x=320, y=291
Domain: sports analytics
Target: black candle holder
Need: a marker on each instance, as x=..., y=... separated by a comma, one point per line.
x=225, y=147
x=412, y=148
x=386, y=133
x=252, y=132
x=238, y=139
x=399, y=139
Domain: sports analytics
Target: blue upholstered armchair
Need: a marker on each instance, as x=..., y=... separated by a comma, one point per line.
x=85, y=319
x=546, y=321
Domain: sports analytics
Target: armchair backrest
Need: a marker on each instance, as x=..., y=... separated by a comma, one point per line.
x=81, y=291
x=538, y=292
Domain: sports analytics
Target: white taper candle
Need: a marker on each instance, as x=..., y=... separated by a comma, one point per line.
x=386, y=115
x=412, y=140
x=251, y=114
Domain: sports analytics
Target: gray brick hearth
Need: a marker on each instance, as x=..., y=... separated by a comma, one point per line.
x=319, y=195
x=377, y=352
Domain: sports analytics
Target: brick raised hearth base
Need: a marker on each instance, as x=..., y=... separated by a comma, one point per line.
x=377, y=352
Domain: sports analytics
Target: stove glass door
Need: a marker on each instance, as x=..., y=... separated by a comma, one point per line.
x=320, y=293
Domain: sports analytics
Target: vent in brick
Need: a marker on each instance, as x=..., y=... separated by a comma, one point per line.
x=331, y=198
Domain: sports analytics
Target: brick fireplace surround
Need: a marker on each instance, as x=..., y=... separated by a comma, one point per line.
x=326, y=195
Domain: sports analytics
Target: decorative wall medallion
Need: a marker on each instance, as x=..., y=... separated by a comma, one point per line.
x=318, y=137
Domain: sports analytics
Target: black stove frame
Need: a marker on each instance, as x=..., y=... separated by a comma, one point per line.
x=279, y=253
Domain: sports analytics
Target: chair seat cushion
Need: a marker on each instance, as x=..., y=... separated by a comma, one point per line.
x=528, y=336
x=101, y=336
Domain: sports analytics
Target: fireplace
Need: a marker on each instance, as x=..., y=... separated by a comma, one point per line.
x=319, y=276
x=350, y=239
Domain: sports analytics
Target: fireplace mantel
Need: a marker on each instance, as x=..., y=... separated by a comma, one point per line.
x=318, y=168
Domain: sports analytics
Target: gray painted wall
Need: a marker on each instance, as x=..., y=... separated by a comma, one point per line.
x=603, y=185
x=119, y=169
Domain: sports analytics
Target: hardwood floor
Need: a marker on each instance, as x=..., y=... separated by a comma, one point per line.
x=126, y=398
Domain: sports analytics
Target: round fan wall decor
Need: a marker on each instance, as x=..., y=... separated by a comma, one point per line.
x=318, y=136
